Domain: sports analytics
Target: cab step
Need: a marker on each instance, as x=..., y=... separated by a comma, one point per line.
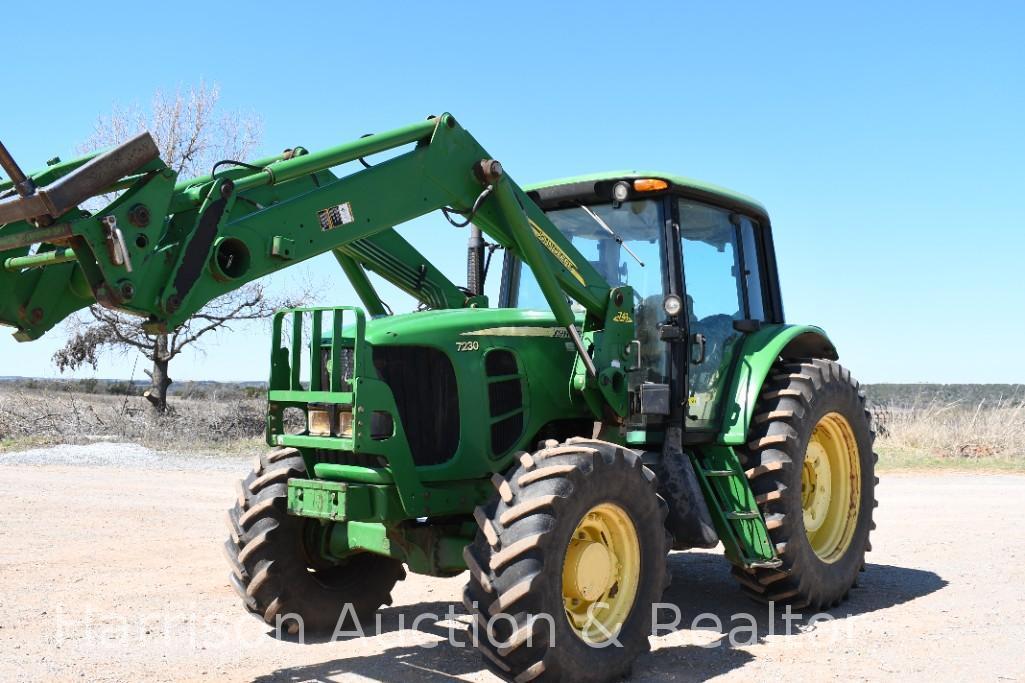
x=734, y=509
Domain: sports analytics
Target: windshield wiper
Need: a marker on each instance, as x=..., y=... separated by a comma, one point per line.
x=603, y=224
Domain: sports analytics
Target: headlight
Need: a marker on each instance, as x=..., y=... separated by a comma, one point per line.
x=319, y=421
x=672, y=305
x=620, y=191
x=345, y=423
x=329, y=420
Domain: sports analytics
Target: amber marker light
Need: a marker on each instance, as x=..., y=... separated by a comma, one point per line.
x=649, y=184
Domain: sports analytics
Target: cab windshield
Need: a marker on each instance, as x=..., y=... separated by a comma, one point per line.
x=637, y=262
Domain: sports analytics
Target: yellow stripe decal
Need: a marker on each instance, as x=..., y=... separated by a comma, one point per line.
x=524, y=331
x=556, y=251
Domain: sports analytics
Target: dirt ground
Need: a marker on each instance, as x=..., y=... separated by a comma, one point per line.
x=114, y=572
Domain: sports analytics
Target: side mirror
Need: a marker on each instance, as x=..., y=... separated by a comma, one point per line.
x=747, y=325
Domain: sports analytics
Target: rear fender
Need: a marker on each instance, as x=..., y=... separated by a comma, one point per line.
x=758, y=354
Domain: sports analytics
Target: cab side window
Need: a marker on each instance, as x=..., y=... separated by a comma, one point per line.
x=751, y=246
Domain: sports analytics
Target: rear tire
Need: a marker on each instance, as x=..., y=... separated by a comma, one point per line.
x=540, y=553
x=811, y=466
x=275, y=574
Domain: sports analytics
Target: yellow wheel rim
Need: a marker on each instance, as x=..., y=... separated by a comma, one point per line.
x=600, y=572
x=831, y=487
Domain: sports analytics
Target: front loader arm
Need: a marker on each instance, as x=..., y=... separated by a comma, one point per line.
x=164, y=248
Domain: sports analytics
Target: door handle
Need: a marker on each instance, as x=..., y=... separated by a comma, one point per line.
x=701, y=342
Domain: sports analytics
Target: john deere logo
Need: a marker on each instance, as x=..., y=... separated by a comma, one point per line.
x=622, y=317
x=556, y=251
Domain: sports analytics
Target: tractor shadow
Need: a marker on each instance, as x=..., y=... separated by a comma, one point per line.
x=702, y=587
x=704, y=595
x=445, y=657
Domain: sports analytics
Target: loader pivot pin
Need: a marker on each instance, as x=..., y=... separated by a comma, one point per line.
x=488, y=171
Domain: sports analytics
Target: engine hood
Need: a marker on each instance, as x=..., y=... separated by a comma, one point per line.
x=432, y=327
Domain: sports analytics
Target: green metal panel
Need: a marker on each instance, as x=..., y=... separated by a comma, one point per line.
x=322, y=500
x=545, y=357
x=366, y=475
x=756, y=356
x=343, y=501
x=363, y=536
x=330, y=443
x=434, y=550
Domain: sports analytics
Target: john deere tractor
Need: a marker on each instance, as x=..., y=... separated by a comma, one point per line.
x=634, y=389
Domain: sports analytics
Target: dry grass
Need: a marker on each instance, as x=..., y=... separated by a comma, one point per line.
x=35, y=418
x=930, y=434
x=988, y=434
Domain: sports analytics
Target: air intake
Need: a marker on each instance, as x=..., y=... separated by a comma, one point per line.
x=505, y=398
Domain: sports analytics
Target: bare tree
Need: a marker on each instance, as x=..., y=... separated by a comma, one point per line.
x=192, y=135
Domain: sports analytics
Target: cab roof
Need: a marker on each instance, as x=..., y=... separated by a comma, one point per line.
x=587, y=184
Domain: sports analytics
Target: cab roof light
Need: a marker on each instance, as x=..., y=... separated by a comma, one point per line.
x=649, y=185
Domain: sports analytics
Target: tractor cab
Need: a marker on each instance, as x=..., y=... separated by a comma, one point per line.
x=700, y=262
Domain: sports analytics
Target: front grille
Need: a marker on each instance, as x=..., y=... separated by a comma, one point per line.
x=424, y=385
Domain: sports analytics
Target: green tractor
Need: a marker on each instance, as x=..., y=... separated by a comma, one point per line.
x=635, y=390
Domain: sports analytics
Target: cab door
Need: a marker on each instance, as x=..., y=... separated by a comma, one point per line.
x=722, y=302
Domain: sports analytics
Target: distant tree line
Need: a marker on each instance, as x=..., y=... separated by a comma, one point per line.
x=905, y=395
x=970, y=394
x=185, y=390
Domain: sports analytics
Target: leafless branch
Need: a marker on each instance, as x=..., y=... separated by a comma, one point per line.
x=192, y=134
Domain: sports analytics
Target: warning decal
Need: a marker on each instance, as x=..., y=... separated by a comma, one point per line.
x=333, y=216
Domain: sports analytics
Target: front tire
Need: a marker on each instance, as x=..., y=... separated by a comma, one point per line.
x=811, y=466
x=574, y=527
x=274, y=571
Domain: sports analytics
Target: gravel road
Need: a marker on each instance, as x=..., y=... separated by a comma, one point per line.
x=111, y=569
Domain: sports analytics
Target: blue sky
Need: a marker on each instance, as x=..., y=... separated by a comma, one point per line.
x=886, y=139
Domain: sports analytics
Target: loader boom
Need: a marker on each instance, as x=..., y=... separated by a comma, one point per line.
x=165, y=247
